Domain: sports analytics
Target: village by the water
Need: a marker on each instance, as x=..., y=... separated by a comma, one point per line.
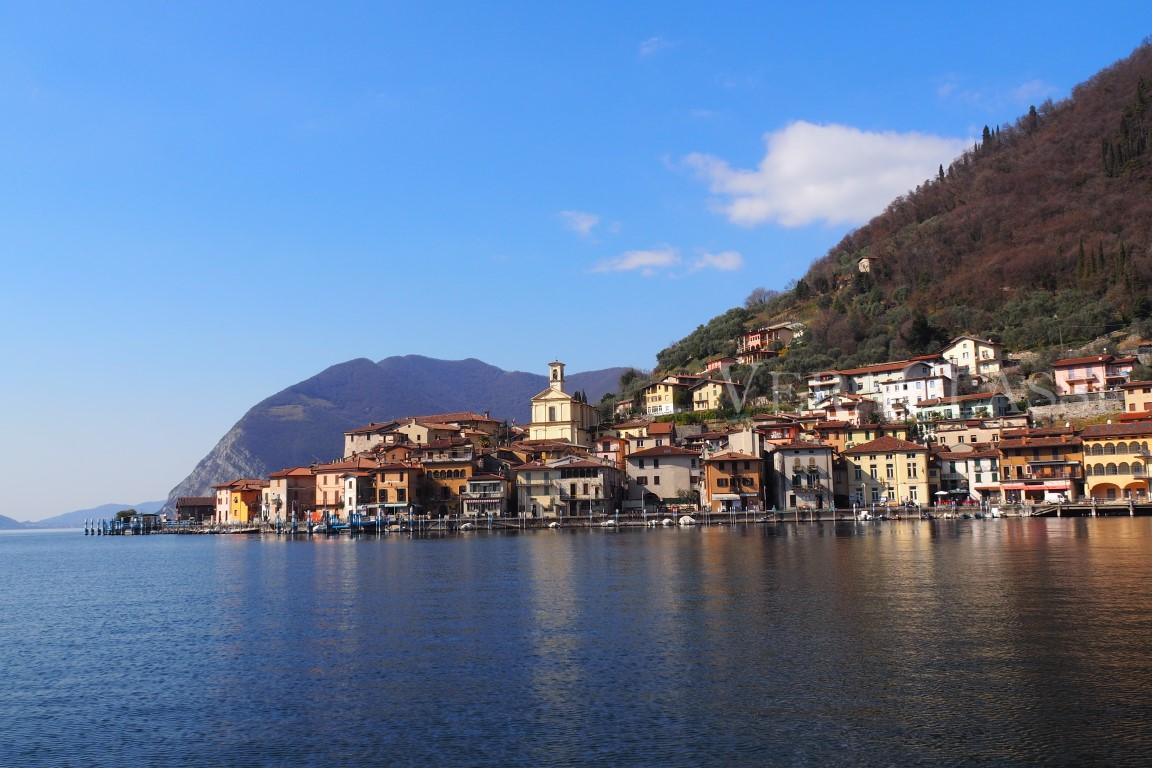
x=932, y=436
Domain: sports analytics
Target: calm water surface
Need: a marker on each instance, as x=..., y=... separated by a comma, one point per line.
x=998, y=643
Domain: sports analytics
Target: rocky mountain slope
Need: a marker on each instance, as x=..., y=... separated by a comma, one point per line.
x=305, y=422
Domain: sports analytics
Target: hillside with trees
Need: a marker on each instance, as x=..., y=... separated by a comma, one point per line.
x=1040, y=235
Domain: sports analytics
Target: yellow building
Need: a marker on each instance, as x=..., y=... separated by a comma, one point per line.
x=887, y=470
x=710, y=395
x=239, y=501
x=662, y=398
x=1138, y=398
x=1116, y=460
x=557, y=415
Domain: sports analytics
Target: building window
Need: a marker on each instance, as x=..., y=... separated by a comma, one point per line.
x=656, y=480
x=655, y=463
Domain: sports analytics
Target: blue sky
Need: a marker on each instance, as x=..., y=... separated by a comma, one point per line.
x=203, y=203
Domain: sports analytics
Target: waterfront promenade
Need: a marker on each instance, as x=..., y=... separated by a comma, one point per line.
x=681, y=518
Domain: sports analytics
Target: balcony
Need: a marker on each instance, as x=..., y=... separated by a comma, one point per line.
x=454, y=456
x=1052, y=473
x=481, y=495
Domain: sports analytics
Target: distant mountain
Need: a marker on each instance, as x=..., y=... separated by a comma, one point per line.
x=8, y=524
x=103, y=512
x=305, y=423
x=1039, y=235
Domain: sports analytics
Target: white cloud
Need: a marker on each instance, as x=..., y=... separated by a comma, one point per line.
x=648, y=262
x=580, y=222
x=834, y=174
x=725, y=261
x=654, y=45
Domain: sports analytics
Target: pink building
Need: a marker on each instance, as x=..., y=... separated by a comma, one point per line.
x=1097, y=373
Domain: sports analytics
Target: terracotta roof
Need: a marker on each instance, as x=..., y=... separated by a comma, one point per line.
x=455, y=416
x=1131, y=429
x=633, y=424
x=243, y=484
x=721, y=382
x=887, y=444
x=1039, y=442
x=444, y=442
x=360, y=462
x=879, y=367
x=292, y=472
x=803, y=445
x=661, y=428
x=975, y=397
x=373, y=427
x=1037, y=432
x=707, y=436
x=1105, y=359
x=195, y=501
x=963, y=455
x=1136, y=384
x=398, y=465
x=663, y=450
x=733, y=456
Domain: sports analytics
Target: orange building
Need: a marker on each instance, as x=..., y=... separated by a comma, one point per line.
x=239, y=501
x=397, y=486
x=448, y=465
x=1037, y=464
x=329, y=494
x=733, y=481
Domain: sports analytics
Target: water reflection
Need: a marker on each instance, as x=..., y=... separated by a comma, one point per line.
x=1006, y=642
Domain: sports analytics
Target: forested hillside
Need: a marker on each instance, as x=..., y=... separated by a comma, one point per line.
x=1041, y=234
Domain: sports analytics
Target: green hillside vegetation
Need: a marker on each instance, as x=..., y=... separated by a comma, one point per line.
x=1040, y=235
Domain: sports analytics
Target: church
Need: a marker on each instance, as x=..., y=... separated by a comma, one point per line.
x=557, y=415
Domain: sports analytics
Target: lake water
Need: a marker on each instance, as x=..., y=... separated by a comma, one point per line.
x=998, y=643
